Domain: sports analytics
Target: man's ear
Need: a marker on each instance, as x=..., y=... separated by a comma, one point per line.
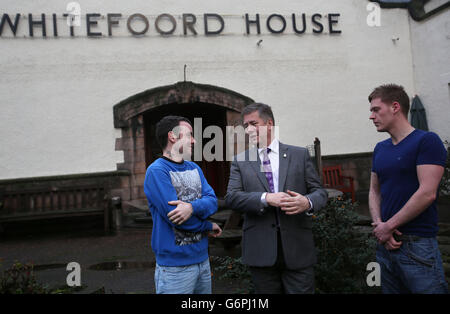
x=396, y=107
x=171, y=137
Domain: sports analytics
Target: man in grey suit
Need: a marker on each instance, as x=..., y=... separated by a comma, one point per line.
x=277, y=191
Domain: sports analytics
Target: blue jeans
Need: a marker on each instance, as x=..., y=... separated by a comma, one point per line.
x=191, y=279
x=416, y=267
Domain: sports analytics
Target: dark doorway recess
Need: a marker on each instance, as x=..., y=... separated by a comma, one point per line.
x=216, y=172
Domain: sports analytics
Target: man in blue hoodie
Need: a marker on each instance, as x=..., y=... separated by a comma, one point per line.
x=180, y=200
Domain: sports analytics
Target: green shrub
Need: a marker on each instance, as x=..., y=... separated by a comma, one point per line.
x=343, y=251
x=232, y=268
x=20, y=279
x=444, y=187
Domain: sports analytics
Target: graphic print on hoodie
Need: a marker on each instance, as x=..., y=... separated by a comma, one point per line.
x=188, y=186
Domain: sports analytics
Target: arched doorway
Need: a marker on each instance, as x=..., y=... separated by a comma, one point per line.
x=138, y=115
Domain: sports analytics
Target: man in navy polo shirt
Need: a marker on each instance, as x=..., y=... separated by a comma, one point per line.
x=406, y=171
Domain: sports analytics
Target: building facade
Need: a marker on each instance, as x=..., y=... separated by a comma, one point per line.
x=83, y=83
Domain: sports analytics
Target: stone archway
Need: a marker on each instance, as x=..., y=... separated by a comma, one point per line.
x=129, y=116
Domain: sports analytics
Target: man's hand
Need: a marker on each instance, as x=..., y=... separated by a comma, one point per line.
x=391, y=243
x=382, y=231
x=216, y=231
x=295, y=204
x=274, y=199
x=181, y=213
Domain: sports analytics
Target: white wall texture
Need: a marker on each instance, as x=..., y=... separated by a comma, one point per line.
x=57, y=94
x=430, y=41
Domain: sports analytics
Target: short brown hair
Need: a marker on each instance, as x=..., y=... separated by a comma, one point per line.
x=264, y=111
x=389, y=93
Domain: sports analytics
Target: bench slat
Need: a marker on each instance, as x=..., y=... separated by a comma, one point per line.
x=51, y=214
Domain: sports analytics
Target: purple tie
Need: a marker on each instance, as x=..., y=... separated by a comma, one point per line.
x=267, y=169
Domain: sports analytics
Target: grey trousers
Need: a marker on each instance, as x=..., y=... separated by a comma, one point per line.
x=277, y=279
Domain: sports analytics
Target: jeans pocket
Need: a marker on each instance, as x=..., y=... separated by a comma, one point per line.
x=175, y=279
x=422, y=253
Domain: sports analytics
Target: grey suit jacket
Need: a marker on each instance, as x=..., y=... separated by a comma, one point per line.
x=259, y=240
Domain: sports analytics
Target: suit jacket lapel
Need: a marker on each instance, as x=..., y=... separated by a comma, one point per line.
x=283, y=167
x=256, y=166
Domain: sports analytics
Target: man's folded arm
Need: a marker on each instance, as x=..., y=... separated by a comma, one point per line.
x=159, y=191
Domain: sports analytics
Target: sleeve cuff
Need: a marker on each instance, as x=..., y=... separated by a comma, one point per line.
x=263, y=199
x=310, y=211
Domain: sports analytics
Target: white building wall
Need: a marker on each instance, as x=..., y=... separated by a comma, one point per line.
x=57, y=93
x=430, y=41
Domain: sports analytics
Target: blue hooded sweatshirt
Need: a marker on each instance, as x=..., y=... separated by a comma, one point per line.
x=165, y=181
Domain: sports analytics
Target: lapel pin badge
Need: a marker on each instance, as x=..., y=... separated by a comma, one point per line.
x=284, y=155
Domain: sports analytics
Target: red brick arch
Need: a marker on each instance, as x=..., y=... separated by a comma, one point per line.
x=179, y=93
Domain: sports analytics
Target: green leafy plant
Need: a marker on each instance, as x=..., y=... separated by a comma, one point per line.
x=20, y=279
x=232, y=268
x=343, y=250
x=444, y=187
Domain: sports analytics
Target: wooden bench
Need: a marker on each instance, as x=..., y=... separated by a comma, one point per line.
x=55, y=202
x=333, y=178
